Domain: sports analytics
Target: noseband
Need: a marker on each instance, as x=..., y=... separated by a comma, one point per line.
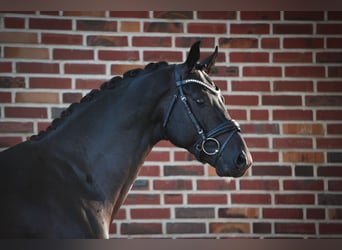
x=205, y=140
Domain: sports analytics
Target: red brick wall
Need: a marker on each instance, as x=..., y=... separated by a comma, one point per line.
x=281, y=74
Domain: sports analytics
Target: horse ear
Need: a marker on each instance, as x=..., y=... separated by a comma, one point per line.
x=193, y=56
x=209, y=62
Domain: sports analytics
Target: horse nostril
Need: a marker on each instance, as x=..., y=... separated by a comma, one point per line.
x=241, y=161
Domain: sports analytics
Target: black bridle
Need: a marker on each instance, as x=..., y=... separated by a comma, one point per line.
x=206, y=139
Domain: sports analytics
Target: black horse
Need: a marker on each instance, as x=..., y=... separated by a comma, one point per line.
x=70, y=180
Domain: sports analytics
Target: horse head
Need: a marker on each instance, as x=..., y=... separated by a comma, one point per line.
x=196, y=118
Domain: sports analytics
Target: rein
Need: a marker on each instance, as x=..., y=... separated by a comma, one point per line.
x=206, y=139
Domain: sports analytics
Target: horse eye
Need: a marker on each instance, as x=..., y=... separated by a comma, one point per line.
x=200, y=101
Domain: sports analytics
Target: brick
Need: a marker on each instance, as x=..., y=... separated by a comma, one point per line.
x=50, y=83
x=329, y=86
x=151, y=41
x=158, y=56
x=150, y=171
x=96, y=25
x=329, y=57
x=335, y=213
x=259, y=115
x=25, y=112
x=270, y=170
x=50, y=24
x=329, y=28
x=329, y=171
x=303, y=129
x=71, y=97
x=85, y=13
x=248, y=57
x=282, y=100
x=293, y=86
x=163, y=27
x=142, y=199
x=221, y=15
x=295, y=228
x=36, y=97
x=120, y=215
x=225, y=228
x=298, y=199
x=207, y=198
x=12, y=82
x=251, y=198
x=292, y=57
x=262, y=228
x=259, y=15
x=186, y=42
x=18, y=37
x=246, y=100
x=173, y=199
x=9, y=141
x=333, y=115
x=334, y=157
x=259, y=185
x=5, y=67
x=88, y=83
x=335, y=71
x=129, y=14
x=303, y=43
x=261, y=71
x=315, y=213
x=334, y=42
x=226, y=71
x=293, y=115
x=5, y=97
x=257, y=142
x=193, y=170
x=37, y=67
x=119, y=69
x=297, y=185
x=126, y=26
x=239, y=212
x=262, y=86
x=335, y=185
x=150, y=213
x=75, y=68
x=282, y=213
x=295, y=28
x=330, y=228
x=158, y=156
x=65, y=39
x=173, y=14
x=215, y=185
x=329, y=143
x=241, y=28
x=238, y=42
x=330, y=199
x=261, y=128
x=334, y=15
x=115, y=41
x=16, y=127
x=308, y=157
x=304, y=15
x=207, y=28
x=195, y=212
x=270, y=43
x=172, y=185
x=112, y=55
x=141, y=184
x=49, y=13
x=185, y=228
x=141, y=228
x=14, y=22
x=73, y=54
x=238, y=114
x=27, y=53
x=334, y=129
x=292, y=142
x=304, y=71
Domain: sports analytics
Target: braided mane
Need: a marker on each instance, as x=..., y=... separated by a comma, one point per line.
x=93, y=94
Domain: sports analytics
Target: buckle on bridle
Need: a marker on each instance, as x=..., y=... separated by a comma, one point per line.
x=206, y=143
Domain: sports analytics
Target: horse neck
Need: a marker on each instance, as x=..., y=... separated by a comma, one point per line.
x=105, y=141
